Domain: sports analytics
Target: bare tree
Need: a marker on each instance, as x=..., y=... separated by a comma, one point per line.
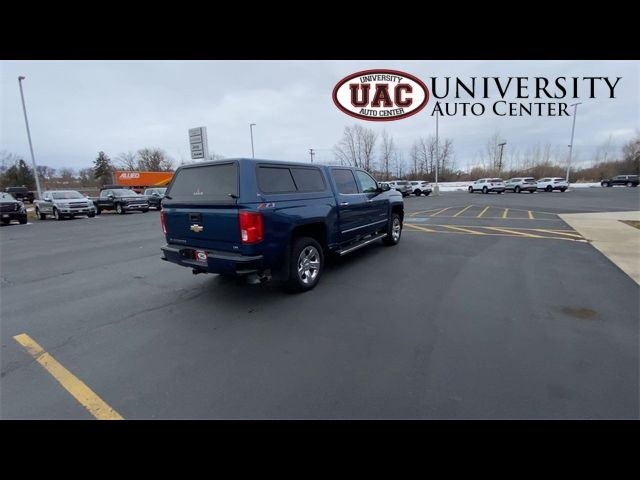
x=388, y=153
x=356, y=147
x=154, y=160
x=128, y=161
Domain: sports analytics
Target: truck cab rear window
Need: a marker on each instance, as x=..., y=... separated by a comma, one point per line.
x=206, y=183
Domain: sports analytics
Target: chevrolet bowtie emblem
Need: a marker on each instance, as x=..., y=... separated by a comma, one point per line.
x=196, y=228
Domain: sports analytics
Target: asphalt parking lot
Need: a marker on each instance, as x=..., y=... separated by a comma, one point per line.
x=490, y=307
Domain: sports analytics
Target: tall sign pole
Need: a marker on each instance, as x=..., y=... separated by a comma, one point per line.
x=26, y=122
x=437, y=188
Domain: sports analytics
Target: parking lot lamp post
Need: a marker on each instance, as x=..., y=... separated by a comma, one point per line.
x=26, y=122
x=573, y=129
x=253, y=155
x=501, y=145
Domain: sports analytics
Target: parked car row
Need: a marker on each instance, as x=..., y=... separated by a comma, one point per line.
x=518, y=185
x=61, y=204
x=406, y=188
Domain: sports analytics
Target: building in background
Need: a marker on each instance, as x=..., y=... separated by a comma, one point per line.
x=139, y=181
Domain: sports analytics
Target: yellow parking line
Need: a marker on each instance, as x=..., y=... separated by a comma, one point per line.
x=473, y=232
x=531, y=217
x=440, y=211
x=420, y=228
x=422, y=211
x=557, y=232
x=504, y=214
x=482, y=212
x=78, y=389
x=463, y=210
x=515, y=232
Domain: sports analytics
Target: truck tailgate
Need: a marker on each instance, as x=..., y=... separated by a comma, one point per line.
x=210, y=227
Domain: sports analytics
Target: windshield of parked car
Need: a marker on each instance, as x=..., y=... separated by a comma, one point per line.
x=5, y=197
x=66, y=195
x=124, y=193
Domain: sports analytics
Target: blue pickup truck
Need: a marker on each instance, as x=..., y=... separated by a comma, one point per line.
x=269, y=219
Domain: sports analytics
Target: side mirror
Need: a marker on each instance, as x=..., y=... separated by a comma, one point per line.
x=384, y=187
x=110, y=197
x=156, y=194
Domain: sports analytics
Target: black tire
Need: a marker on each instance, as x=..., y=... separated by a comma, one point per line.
x=605, y=184
x=98, y=211
x=470, y=189
x=563, y=190
x=23, y=221
x=629, y=184
x=517, y=189
x=549, y=188
x=119, y=209
x=57, y=215
x=395, y=221
x=91, y=215
x=309, y=247
x=485, y=190
x=418, y=192
x=145, y=210
x=426, y=194
x=6, y=222
x=41, y=216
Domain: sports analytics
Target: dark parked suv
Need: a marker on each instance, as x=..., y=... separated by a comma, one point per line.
x=22, y=194
x=266, y=219
x=627, y=180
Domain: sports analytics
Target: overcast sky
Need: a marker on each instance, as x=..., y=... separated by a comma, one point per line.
x=77, y=108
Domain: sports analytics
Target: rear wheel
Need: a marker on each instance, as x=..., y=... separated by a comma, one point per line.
x=145, y=210
x=306, y=263
x=629, y=184
x=418, y=192
x=394, y=231
x=91, y=215
x=517, y=189
x=98, y=211
x=6, y=222
x=563, y=189
x=549, y=188
x=426, y=194
x=605, y=184
x=485, y=190
x=23, y=221
x=470, y=189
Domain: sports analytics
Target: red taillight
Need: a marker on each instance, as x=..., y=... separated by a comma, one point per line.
x=250, y=227
x=164, y=228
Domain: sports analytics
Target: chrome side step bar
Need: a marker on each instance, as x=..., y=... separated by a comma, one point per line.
x=361, y=244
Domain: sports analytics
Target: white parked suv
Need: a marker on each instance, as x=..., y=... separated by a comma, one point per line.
x=486, y=185
x=521, y=184
x=418, y=187
x=402, y=186
x=549, y=184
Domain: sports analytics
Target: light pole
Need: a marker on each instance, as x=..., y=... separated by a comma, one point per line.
x=573, y=129
x=311, y=154
x=26, y=122
x=253, y=155
x=501, y=145
x=436, y=189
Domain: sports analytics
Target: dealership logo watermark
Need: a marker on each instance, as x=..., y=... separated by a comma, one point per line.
x=380, y=95
x=385, y=95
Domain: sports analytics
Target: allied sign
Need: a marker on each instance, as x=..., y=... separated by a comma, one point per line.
x=198, y=143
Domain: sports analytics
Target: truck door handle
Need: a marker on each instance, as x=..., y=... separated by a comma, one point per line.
x=344, y=204
x=370, y=200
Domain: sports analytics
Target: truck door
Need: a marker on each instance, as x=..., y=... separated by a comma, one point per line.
x=353, y=209
x=377, y=205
